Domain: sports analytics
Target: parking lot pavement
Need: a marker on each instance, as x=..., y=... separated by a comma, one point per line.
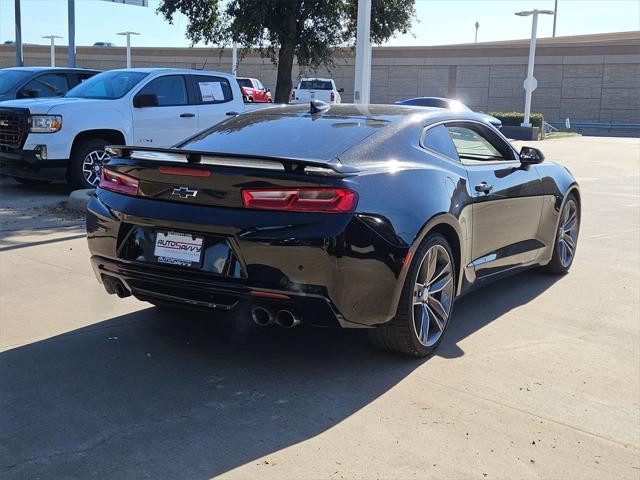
x=538, y=376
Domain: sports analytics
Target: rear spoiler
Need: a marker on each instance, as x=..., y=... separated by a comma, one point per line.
x=332, y=168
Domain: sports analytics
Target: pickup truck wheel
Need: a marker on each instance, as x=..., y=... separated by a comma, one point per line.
x=86, y=163
x=31, y=181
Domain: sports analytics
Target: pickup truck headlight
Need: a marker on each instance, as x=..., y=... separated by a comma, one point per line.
x=45, y=123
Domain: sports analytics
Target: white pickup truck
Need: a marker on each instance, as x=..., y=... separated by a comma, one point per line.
x=64, y=138
x=316, y=89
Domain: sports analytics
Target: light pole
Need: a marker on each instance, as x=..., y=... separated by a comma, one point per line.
x=555, y=17
x=530, y=84
x=477, y=27
x=128, y=35
x=71, y=20
x=362, y=87
x=234, y=59
x=18, y=22
x=53, y=47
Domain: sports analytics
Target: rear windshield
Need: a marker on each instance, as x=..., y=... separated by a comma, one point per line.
x=244, y=82
x=285, y=136
x=315, y=85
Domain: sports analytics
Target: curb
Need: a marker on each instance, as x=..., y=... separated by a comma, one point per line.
x=78, y=199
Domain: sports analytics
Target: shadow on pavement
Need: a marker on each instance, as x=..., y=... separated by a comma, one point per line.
x=181, y=395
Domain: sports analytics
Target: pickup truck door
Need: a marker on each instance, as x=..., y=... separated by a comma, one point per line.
x=507, y=199
x=172, y=120
x=215, y=99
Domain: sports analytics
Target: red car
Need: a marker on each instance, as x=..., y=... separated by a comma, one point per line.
x=254, y=91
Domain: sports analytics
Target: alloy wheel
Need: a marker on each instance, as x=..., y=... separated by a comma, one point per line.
x=92, y=166
x=568, y=233
x=433, y=295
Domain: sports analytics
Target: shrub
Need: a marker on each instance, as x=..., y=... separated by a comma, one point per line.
x=516, y=118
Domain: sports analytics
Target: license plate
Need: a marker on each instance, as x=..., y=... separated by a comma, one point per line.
x=182, y=249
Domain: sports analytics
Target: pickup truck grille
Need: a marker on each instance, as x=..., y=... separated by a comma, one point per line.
x=14, y=127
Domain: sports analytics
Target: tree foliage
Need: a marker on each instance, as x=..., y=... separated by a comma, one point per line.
x=309, y=30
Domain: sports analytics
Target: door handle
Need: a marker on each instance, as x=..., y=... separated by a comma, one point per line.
x=484, y=187
x=232, y=114
x=187, y=115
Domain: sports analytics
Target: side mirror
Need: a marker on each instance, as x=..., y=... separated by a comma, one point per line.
x=341, y=90
x=530, y=155
x=145, y=100
x=27, y=94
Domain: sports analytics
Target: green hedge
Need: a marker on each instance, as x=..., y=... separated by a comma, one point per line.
x=516, y=118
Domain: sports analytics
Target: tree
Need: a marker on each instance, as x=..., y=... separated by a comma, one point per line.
x=281, y=30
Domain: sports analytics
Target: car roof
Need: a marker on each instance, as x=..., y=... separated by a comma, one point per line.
x=54, y=69
x=315, y=78
x=171, y=70
x=392, y=113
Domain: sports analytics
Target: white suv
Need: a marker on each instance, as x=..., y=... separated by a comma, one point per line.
x=316, y=89
x=65, y=138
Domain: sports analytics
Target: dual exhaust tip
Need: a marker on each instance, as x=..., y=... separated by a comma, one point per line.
x=263, y=316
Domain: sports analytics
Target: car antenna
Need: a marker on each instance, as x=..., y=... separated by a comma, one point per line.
x=318, y=106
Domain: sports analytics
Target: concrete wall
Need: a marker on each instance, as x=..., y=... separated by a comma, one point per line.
x=591, y=78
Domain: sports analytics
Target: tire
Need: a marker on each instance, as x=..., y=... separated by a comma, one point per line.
x=250, y=100
x=31, y=181
x=401, y=334
x=76, y=173
x=270, y=101
x=566, y=241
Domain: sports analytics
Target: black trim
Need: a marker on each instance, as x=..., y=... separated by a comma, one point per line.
x=25, y=164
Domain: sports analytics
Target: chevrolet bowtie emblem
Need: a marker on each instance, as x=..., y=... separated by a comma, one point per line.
x=184, y=192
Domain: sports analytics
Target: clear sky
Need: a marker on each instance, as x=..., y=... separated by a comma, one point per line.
x=438, y=21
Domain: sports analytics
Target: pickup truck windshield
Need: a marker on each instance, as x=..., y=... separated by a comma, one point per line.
x=315, y=85
x=10, y=78
x=107, y=85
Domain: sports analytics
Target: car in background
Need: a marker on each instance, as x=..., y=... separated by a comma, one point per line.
x=103, y=44
x=323, y=89
x=38, y=82
x=65, y=138
x=375, y=217
x=254, y=91
x=449, y=104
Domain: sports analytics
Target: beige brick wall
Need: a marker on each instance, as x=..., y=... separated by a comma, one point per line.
x=590, y=78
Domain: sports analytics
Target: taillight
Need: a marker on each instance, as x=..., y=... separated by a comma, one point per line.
x=333, y=97
x=118, y=182
x=301, y=199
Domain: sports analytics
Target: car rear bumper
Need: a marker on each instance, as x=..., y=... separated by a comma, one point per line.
x=27, y=164
x=332, y=268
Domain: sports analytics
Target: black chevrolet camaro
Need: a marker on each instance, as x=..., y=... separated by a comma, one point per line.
x=375, y=216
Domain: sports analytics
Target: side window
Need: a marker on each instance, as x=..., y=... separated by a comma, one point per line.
x=258, y=84
x=437, y=139
x=170, y=90
x=473, y=143
x=211, y=89
x=48, y=85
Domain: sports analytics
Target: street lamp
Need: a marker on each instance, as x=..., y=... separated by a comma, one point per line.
x=53, y=47
x=530, y=84
x=477, y=27
x=128, y=35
